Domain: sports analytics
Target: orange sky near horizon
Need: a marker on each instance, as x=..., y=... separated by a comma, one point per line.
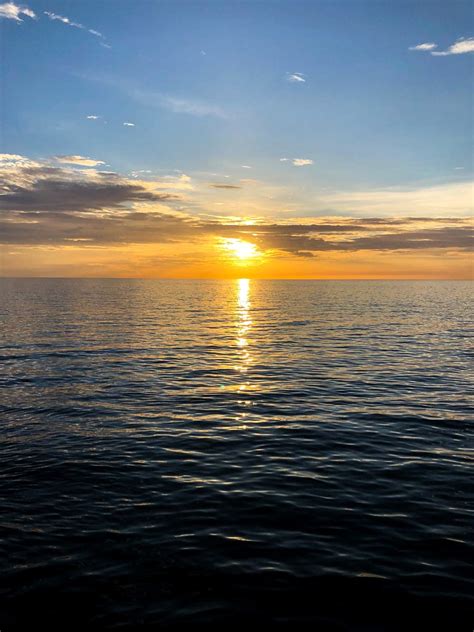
x=212, y=261
x=65, y=217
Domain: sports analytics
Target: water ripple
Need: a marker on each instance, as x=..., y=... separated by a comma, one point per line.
x=206, y=452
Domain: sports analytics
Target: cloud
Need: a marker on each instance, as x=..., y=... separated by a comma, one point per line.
x=39, y=186
x=56, y=195
x=12, y=11
x=11, y=158
x=225, y=186
x=79, y=160
x=246, y=166
x=296, y=77
x=350, y=235
x=298, y=162
x=436, y=200
x=127, y=124
x=125, y=228
x=77, y=25
x=297, y=240
x=45, y=204
x=425, y=46
x=461, y=46
x=190, y=106
x=154, y=98
x=93, y=117
x=302, y=162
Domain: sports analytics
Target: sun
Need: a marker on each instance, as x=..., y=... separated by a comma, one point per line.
x=242, y=250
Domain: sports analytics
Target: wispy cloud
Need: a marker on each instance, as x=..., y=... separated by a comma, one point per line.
x=189, y=106
x=128, y=124
x=77, y=25
x=295, y=77
x=93, y=117
x=460, y=47
x=83, y=161
x=246, y=166
x=154, y=98
x=179, y=105
x=442, y=199
x=424, y=46
x=12, y=11
x=302, y=162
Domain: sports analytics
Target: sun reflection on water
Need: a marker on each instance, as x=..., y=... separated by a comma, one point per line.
x=244, y=321
x=243, y=326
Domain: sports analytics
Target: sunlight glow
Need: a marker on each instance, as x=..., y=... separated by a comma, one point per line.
x=240, y=249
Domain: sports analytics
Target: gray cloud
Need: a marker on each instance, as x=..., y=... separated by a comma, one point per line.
x=46, y=227
x=445, y=237
x=42, y=203
x=52, y=228
x=225, y=186
x=59, y=195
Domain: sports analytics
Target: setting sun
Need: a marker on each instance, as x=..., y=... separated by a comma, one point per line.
x=242, y=250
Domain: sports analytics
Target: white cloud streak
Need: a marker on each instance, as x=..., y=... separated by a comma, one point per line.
x=154, y=98
x=425, y=46
x=296, y=77
x=460, y=47
x=83, y=161
x=76, y=25
x=191, y=106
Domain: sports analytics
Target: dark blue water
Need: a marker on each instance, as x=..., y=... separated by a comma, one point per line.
x=222, y=453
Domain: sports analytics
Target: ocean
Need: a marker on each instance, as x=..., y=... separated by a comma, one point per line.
x=222, y=453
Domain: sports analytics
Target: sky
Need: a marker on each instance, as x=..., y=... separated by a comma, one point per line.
x=224, y=139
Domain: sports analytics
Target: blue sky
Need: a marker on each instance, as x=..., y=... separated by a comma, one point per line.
x=370, y=113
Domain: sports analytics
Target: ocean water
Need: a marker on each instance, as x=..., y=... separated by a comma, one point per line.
x=220, y=453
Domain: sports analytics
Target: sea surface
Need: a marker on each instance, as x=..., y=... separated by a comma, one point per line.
x=224, y=453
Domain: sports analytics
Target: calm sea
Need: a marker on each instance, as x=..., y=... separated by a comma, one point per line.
x=219, y=453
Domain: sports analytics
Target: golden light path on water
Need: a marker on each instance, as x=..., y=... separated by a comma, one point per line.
x=244, y=324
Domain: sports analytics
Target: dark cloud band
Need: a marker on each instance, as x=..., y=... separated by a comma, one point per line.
x=44, y=204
